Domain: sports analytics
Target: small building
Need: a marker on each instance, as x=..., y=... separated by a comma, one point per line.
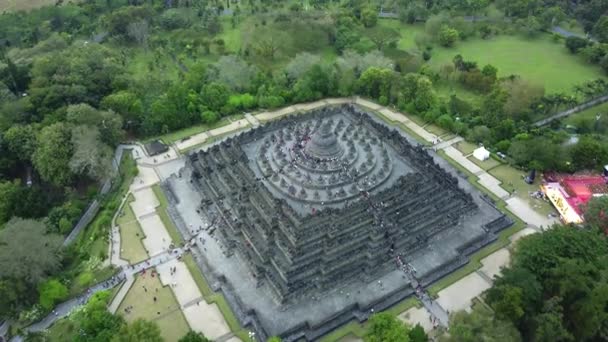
x=156, y=147
x=481, y=153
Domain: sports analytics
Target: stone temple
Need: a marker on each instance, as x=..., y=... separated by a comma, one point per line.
x=307, y=214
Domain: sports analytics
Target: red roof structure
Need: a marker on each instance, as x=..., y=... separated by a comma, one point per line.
x=570, y=193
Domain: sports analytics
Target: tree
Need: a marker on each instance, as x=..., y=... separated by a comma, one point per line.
x=417, y=334
x=108, y=123
x=139, y=32
x=214, y=96
x=351, y=60
x=507, y=302
x=301, y=64
x=588, y=153
x=529, y=26
x=234, y=72
x=117, y=22
x=91, y=157
x=425, y=96
x=126, y=104
x=384, y=327
x=139, y=331
x=480, y=325
x=521, y=94
x=95, y=323
x=27, y=252
x=91, y=75
x=369, y=16
x=447, y=36
x=193, y=336
x=549, y=323
x=52, y=155
x=9, y=191
x=267, y=48
x=551, y=16
x=51, y=291
x=596, y=213
x=376, y=82
x=600, y=29
x=21, y=141
x=490, y=71
x=382, y=36
x=574, y=44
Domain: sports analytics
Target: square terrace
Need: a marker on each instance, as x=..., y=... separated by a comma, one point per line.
x=305, y=217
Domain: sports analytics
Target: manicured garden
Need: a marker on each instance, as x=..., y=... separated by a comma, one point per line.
x=131, y=246
x=165, y=311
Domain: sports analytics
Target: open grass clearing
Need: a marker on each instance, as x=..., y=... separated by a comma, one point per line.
x=407, y=32
x=539, y=60
x=23, y=5
x=131, y=235
x=165, y=311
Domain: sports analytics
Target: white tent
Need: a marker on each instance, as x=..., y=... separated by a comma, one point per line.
x=481, y=153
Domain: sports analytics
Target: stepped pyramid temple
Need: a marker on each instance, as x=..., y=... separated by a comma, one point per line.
x=307, y=215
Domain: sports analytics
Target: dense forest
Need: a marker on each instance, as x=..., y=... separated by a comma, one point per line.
x=78, y=78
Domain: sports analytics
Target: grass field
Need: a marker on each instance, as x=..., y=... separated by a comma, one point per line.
x=408, y=33
x=486, y=164
x=17, y=5
x=587, y=114
x=166, y=312
x=539, y=60
x=465, y=147
x=131, y=235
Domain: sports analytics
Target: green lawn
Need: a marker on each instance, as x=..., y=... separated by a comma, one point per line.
x=512, y=181
x=587, y=114
x=231, y=36
x=62, y=330
x=131, y=246
x=438, y=131
x=486, y=164
x=166, y=312
x=465, y=147
x=164, y=216
x=17, y=5
x=539, y=60
x=446, y=89
x=408, y=33
x=142, y=62
x=172, y=137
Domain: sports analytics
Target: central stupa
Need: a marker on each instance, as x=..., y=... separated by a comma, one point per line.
x=324, y=144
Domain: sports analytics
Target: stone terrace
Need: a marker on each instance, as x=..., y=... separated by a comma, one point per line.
x=309, y=214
